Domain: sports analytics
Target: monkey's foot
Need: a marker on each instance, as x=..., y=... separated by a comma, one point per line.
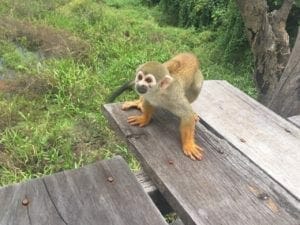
x=138, y=104
x=140, y=121
x=193, y=151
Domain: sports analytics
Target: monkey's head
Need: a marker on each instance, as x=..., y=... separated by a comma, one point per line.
x=151, y=77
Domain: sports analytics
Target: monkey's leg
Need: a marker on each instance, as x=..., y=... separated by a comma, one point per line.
x=187, y=131
x=144, y=118
x=138, y=104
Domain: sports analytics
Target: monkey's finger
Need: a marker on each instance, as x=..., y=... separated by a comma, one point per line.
x=199, y=148
x=134, y=123
x=132, y=118
x=126, y=106
x=197, y=154
x=189, y=154
x=192, y=157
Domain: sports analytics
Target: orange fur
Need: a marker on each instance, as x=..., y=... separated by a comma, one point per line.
x=183, y=66
x=187, y=132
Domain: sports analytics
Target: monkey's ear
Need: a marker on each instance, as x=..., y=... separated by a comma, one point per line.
x=165, y=82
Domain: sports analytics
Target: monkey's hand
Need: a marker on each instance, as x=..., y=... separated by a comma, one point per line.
x=193, y=151
x=138, y=104
x=140, y=121
x=144, y=119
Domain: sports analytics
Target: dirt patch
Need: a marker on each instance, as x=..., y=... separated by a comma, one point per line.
x=30, y=86
x=44, y=39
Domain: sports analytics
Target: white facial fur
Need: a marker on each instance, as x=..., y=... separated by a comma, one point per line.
x=147, y=80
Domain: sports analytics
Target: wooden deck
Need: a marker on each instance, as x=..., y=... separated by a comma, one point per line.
x=250, y=174
x=104, y=193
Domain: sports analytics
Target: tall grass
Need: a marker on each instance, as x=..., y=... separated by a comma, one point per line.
x=50, y=117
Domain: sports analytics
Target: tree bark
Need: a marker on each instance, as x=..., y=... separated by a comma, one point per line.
x=269, y=43
x=286, y=99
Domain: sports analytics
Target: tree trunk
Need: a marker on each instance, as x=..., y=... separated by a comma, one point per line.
x=286, y=99
x=269, y=43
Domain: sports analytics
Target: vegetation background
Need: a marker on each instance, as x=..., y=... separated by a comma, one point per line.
x=60, y=59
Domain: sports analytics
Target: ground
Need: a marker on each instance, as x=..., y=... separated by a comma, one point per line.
x=60, y=59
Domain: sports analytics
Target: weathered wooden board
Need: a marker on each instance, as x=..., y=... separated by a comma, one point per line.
x=81, y=196
x=267, y=139
x=224, y=188
x=295, y=120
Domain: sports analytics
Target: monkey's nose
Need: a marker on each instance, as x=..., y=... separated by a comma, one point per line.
x=142, y=89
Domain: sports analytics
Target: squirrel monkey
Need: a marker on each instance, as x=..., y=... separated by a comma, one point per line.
x=172, y=85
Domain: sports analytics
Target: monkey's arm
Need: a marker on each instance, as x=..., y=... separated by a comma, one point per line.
x=143, y=119
x=187, y=133
x=187, y=129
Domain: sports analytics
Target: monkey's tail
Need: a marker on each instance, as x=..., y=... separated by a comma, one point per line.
x=128, y=85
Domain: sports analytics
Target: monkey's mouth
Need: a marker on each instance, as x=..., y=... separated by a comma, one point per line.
x=141, y=89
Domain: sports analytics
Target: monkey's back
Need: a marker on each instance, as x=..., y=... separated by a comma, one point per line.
x=184, y=67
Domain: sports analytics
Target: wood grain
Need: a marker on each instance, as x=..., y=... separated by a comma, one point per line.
x=224, y=188
x=81, y=196
x=267, y=139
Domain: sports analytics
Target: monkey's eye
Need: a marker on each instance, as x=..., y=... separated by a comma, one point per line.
x=140, y=77
x=148, y=79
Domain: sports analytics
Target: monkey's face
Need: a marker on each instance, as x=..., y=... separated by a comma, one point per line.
x=144, y=83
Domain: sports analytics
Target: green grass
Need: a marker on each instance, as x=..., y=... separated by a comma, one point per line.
x=50, y=118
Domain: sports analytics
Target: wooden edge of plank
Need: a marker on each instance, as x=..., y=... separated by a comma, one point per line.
x=116, y=157
x=153, y=192
x=295, y=120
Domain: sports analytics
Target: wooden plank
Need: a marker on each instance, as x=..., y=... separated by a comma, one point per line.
x=267, y=139
x=81, y=196
x=295, y=120
x=224, y=188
